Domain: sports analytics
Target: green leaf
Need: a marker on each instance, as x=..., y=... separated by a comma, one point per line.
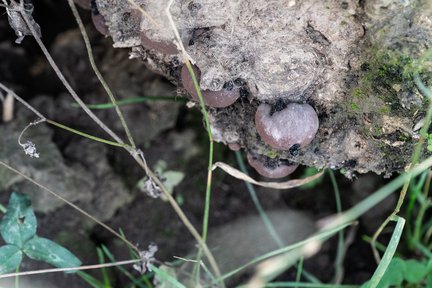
x=168, y=177
x=167, y=277
x=429, y=280
x=172, y=179
x=10, y=258
x=415, y=271
x=92, y=281
x=42, y=249
x=19, y=223
x=394, y=275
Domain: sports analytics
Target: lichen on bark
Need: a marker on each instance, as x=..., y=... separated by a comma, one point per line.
x=353, y=61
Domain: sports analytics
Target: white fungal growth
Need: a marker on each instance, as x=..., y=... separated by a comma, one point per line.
x=147, y=258
x=30, y=149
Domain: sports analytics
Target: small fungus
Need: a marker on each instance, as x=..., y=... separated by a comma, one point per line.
x=99, y=23
x=98, y=20
x=295, y=124
x=218, y=99
x=270, y=168
x=234, y=146
x=164, y=47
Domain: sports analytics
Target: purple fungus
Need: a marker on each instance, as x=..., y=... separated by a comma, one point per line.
x=85, y=4
x=164, y=47
x=234, y=146
x=219, y=99
x=270, y=168
x=295, y=124
x=98, y=20
x=99, y=23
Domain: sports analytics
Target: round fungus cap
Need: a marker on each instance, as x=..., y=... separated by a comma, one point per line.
x=164, y=47
x=295, y=124
x=218, y=99
x=270, y=168
x=99, y=23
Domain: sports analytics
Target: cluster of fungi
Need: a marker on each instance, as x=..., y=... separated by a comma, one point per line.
x=281, y=126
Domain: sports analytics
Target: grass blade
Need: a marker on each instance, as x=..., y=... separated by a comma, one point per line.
x=389, y=253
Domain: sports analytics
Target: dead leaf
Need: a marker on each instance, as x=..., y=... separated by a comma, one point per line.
x=275, y=185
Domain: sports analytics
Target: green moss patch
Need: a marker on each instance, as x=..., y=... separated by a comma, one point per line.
x=385, y=80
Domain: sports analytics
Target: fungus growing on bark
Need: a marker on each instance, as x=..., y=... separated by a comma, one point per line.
x=234, y=146
x=98, y=20
x=164, y=47
x=223, y=98
x=295, y=124
x=270, y=168
x=99, y=23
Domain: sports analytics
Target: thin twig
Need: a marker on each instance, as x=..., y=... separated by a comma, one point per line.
x=25, y=103
x=34, y=123
x=65, y=82
x=98, y=74
x=186, y=58
x=42, y=118
x=108, y=142
x=134, y=153
x=8, y=108
x=340, y=254
x=264, y=217
x=182, y=216
x=71, y=269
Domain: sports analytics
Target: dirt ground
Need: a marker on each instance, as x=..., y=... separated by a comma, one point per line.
x=103, y=180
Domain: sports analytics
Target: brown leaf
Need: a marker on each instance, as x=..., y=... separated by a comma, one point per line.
x=275, y=185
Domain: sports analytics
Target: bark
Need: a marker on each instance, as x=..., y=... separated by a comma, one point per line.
x=353, y=61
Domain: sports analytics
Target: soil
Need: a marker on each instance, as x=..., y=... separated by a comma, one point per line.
x=103, y=179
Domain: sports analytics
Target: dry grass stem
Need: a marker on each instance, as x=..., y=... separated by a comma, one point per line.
x=8, y=108
x=274, y=185
x=80, y=268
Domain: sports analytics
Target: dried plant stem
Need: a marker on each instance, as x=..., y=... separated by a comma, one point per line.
x=42, y=118
x=27, y=105
x=80, y=268
x=186, y=58
x=140, y=161
x=183, y=218
x=8, y=108
x=34, y=123
x=98, y=74
x=66, y=83
x=133, y=152
x=112, y=143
